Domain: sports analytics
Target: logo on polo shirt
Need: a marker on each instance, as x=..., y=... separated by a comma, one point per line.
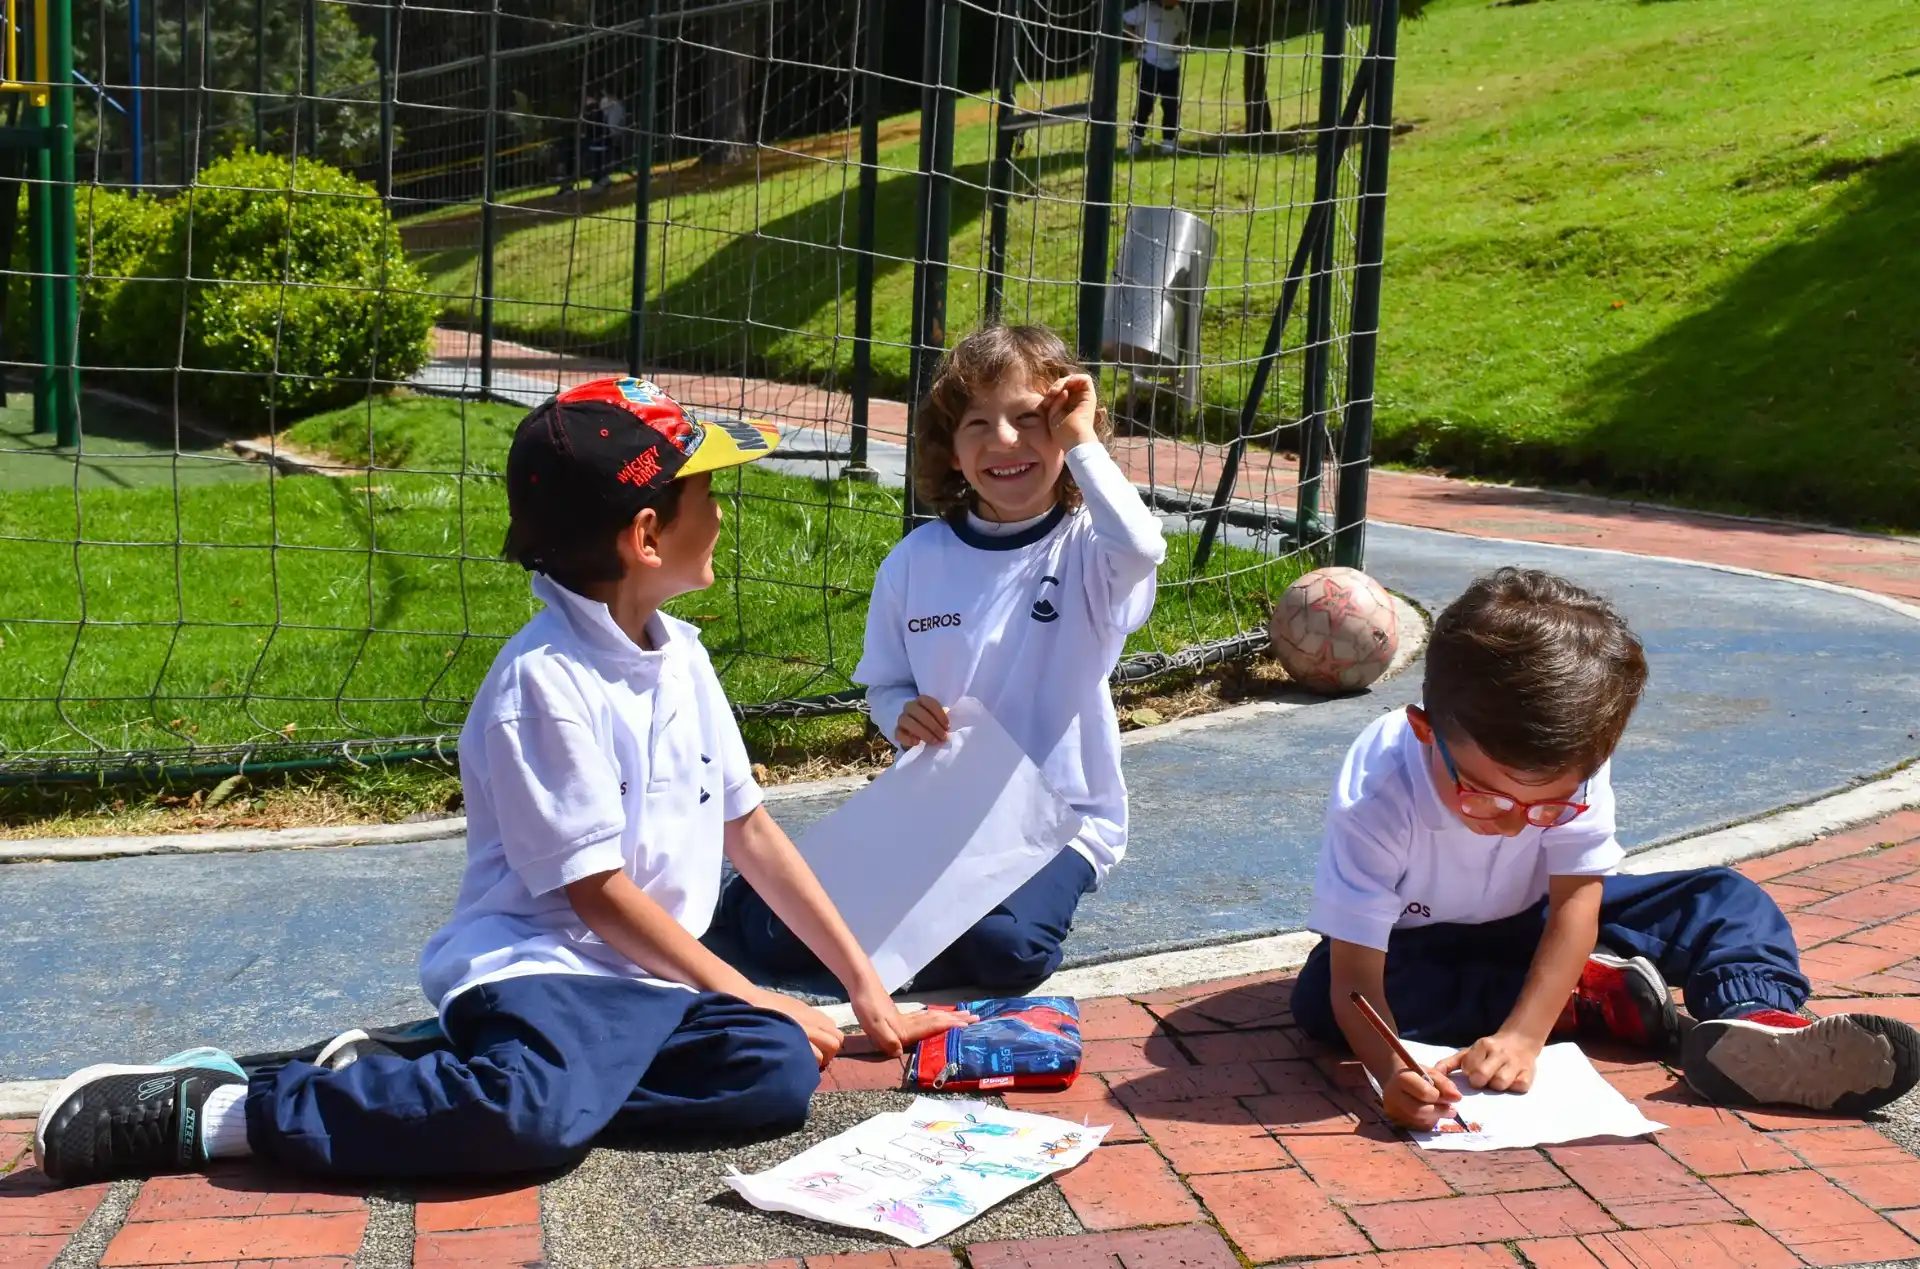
x=939, y=620
x=1043, y=609
x=1419, y=910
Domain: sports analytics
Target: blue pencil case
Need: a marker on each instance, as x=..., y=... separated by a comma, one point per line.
x=1019, y=1042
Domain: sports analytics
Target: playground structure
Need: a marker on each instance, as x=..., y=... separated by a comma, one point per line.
x=37, y=150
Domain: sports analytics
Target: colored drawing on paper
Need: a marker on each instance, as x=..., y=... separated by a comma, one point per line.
x=1454, y=1126
x=940, y=1192
x=992, y=1167
x=900, y=1212
x=880, y=1165
x=829, y=1185
x=893, y=1175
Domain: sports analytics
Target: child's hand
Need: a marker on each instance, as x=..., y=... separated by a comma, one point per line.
x=893, y=1032
x=924, y=720
x=822, y=1034
x=1503, y=1062
x=1072, y=409
x=1418, y=1099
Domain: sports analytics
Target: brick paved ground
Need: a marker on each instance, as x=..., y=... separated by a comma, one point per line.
x=1237, y=1141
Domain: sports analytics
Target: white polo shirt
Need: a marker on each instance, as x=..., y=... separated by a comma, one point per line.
x=585, y=753
x=1163, y=32
x=1029, y=623
x=1395, y=855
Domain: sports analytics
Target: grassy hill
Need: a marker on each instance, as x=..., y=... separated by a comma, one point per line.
x=1663, y=248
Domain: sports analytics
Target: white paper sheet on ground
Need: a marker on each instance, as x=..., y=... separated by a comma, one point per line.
x=921, y=1173
x=1568, y=1101
x=937, y=841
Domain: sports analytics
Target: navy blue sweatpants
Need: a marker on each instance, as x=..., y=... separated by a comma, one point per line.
x=1711, y=932
x=1011, y=948
x=538, y=1066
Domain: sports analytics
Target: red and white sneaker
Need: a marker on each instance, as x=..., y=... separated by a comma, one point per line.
x=1850, y=1063
x=1621, y=998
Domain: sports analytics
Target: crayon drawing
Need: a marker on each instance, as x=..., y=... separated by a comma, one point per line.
x=940, y=1192
x=880, y=1165
x=900, y=1212
x=829, y=1185
x=992, y=1167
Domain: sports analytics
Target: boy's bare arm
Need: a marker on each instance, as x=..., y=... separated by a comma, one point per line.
x=1412, y=1099
x=766, y=857
x=638, y=928
x=1506, y=1059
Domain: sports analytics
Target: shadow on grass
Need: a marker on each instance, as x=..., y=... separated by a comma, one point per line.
x=1798, y=387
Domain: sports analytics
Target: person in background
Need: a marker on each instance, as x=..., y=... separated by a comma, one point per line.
x=1163, y=37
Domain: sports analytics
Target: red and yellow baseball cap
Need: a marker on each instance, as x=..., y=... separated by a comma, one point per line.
x=600, y=452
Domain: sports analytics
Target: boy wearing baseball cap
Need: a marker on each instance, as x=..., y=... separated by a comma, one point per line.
x=604, y=780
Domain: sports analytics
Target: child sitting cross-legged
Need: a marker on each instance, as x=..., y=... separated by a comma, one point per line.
x=1466, y=888
x=1020, y=596
x=604, y=779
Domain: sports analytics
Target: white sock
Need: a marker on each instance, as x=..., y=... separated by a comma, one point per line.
x=223, y=1123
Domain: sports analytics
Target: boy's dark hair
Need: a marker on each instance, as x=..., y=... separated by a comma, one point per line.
x=1539, y=673
x=989, y=355
x=577, y=555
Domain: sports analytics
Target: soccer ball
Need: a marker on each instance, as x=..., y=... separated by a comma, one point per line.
x=1335, y=630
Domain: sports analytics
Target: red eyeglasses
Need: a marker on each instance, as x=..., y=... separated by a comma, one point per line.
x=1478, y=804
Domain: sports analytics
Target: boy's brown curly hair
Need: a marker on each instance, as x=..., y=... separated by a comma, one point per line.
x=992, y=354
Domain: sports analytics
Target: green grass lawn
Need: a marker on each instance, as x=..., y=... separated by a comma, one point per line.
x=326, y=608
x=1664, y=248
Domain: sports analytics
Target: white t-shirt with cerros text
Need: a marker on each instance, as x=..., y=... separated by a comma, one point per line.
x=1163, y=33
x=584, y=753
x=1395, y=855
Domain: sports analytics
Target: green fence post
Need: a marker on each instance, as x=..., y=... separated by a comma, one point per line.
x=1000, y=174
x=1097, y=217
x=940, y=70
x=642, y=119
x=489, y=147
x=1318, y=354
x=66, y=306
x=1356, y=431
x=873, y=51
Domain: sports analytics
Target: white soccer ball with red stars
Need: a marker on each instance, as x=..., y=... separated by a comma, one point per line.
x=1335, y=630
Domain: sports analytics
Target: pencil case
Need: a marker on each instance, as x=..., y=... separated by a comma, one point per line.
x=1020, y=1042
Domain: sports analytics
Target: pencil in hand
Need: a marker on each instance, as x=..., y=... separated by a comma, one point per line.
x=1379, y=1024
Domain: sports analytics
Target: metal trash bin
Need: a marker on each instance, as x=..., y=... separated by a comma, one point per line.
x=1154, y=302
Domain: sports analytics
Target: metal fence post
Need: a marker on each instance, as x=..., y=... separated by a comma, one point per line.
x=867, y=79
x=940, y=69
x=135, y=113
x=259, y=73
x=1356, y=431
x=1103, y=110
x=66, y=290
x=489, y=145
x=310, y=87
x=642, y=119
x=1000, y=174
x=1319, y=347
x=388, y=88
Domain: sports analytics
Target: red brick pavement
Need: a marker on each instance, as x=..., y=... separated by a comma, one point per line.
x=1223, y=1153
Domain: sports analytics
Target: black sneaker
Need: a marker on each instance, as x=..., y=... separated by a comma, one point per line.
x=1850, y=1063
x=108, y=1122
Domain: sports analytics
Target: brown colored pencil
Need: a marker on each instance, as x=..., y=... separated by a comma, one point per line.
x=1399, y=1050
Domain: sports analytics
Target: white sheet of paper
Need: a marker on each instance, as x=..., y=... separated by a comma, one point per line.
x=1568, y=1101
x=921, y=1173
x=937, y=841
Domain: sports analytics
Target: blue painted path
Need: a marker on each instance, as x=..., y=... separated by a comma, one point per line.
x=1764, y=694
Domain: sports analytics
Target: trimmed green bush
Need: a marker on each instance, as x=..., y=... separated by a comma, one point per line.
x=295, y=289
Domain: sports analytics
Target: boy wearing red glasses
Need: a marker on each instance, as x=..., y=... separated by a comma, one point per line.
x=1467, y=876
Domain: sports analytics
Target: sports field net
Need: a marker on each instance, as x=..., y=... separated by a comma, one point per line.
x=276, y=534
